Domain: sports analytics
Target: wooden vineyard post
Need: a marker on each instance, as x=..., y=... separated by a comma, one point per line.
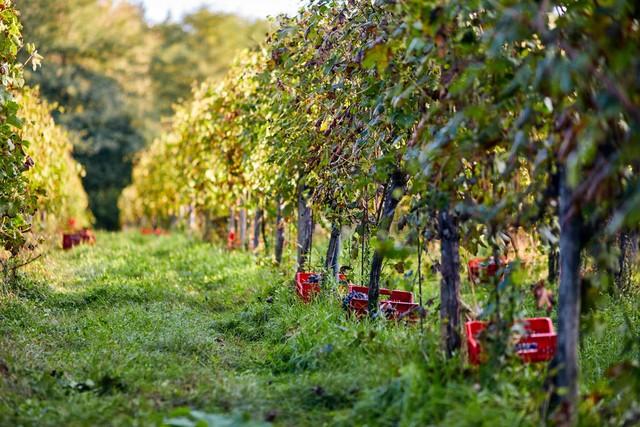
x=450, y=282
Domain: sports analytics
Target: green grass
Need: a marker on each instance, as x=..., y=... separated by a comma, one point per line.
x=135, y=328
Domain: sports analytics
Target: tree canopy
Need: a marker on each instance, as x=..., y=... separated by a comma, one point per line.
x=115, y=77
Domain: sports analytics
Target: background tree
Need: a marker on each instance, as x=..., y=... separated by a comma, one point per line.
x=98, y=56
x=115, y=76
x=203, y=45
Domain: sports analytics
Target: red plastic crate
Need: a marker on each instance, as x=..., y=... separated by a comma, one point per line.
x=87, y=236
x=397, y=305
x=70, y=240
x=482, y=269
x=154, y=231
x=537, y=345
x=306, y=289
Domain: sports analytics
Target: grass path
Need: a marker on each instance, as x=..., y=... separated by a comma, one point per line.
x=132, y=330
x=116, y=333
x=125, y=332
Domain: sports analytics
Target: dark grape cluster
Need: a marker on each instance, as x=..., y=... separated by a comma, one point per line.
x=346, y=301
x=388, y=310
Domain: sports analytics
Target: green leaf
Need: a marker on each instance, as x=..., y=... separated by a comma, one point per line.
x=377, y=57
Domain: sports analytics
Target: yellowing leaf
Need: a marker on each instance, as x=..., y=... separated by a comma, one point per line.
x=378, y=57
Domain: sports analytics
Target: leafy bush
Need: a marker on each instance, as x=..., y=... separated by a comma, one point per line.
x=56, y=176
